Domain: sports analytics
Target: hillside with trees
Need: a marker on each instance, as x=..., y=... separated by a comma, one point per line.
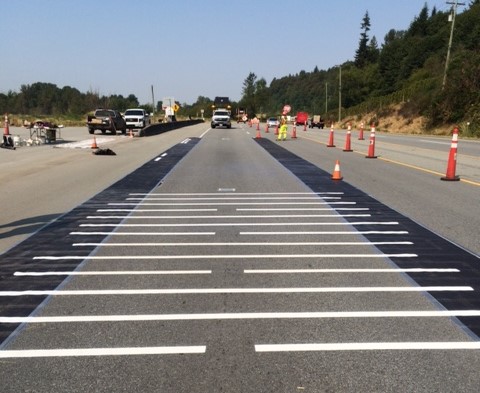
x=405, y=73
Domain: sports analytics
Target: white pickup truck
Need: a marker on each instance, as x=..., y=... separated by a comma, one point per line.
x=136, y=118
x=221, y=117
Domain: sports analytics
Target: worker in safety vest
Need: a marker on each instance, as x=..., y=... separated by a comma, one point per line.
x=282, y=132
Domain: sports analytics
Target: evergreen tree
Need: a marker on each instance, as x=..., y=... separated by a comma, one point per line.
x=362, y=53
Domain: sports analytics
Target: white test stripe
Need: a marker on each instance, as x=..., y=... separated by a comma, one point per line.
x=266, y=256
x=381, y=346
x=209, y=291
x=328, y=233
x=234, y=216
x=156, y=210
x=229, y=198
x=286, y=209
x=365, y=243
x=114, y=273
x=292, y=271
x=244, y=224
x=226, y=203
x=236, y=193
x=144, y=233
x=76, y=352
x=242, y=316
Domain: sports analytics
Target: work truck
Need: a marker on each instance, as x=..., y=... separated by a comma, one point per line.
x=106, y=120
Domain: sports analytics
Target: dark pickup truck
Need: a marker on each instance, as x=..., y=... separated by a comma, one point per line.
x=106, y=120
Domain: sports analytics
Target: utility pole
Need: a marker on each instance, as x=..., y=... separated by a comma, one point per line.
x=326, y=98
x=454, y=5
x=340, y=95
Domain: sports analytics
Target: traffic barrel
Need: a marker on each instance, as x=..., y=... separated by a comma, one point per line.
x=337, y=174
x=371, y=146
x=452, y=158
x=330, y=140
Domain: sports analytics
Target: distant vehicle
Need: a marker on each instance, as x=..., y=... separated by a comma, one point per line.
x=136, y=118
x=221, y=117
x=317, y=121
x=301, y=119
x=272, y=122
x=106, y=120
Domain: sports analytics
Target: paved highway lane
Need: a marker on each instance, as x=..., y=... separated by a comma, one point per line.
x=230, y=264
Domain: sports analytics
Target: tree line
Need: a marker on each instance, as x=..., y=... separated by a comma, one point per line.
x=407, y=68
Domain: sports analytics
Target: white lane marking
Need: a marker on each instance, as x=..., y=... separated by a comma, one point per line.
x=293, y=271
x=328, y=233
x=144, y=233
x=242, y=316
x=382, y=346
x=77, y=352
x=243, y=224
x=287, y=209
x=247, y=256
x=156, y=210
x=233, y=216
x=114, y=273
x=365, y=243
x=211, y=291
x=226, y=203
x=149, y=198
x=236, y=193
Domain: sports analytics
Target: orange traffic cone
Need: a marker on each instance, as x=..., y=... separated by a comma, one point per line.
x=6, y=131
x=337, y=175
x=348, y=140
x=305, y=126
x=294, y=131
x=94, y=144
x=371, y=146
x=131, y=133
x=259, y=135
x=330, y=141
x=266, y=127
x=360, y=135
x=452, y=159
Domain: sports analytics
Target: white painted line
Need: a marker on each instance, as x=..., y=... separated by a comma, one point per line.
x=294, y=199
x=293, y=271
x=242, y=316
x=235, y=193
x=233, y=216
x=163, y=154
x=383, y=346
x=365, y=243
x=157, y=159
x=144, y=233
x=242, y=224
x=211, y=291
x=328, y=233
x=114, y=273
x=77, y=352
x=286, y=209
x=247, y=256
x=227, y=203
x=156, y=210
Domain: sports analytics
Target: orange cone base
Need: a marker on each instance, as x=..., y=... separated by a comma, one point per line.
x=454, y=178
x=370, y=156
x=347, y=150
x=330, y=145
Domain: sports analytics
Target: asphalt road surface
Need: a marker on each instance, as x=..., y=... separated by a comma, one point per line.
x=213, y=261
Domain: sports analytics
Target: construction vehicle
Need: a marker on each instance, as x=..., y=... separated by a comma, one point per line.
x=317, y=121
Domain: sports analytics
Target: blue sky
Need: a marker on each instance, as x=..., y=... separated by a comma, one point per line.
x=184, y=48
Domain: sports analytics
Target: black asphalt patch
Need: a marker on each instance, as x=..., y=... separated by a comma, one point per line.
x=433, y=250
x=55, y=239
